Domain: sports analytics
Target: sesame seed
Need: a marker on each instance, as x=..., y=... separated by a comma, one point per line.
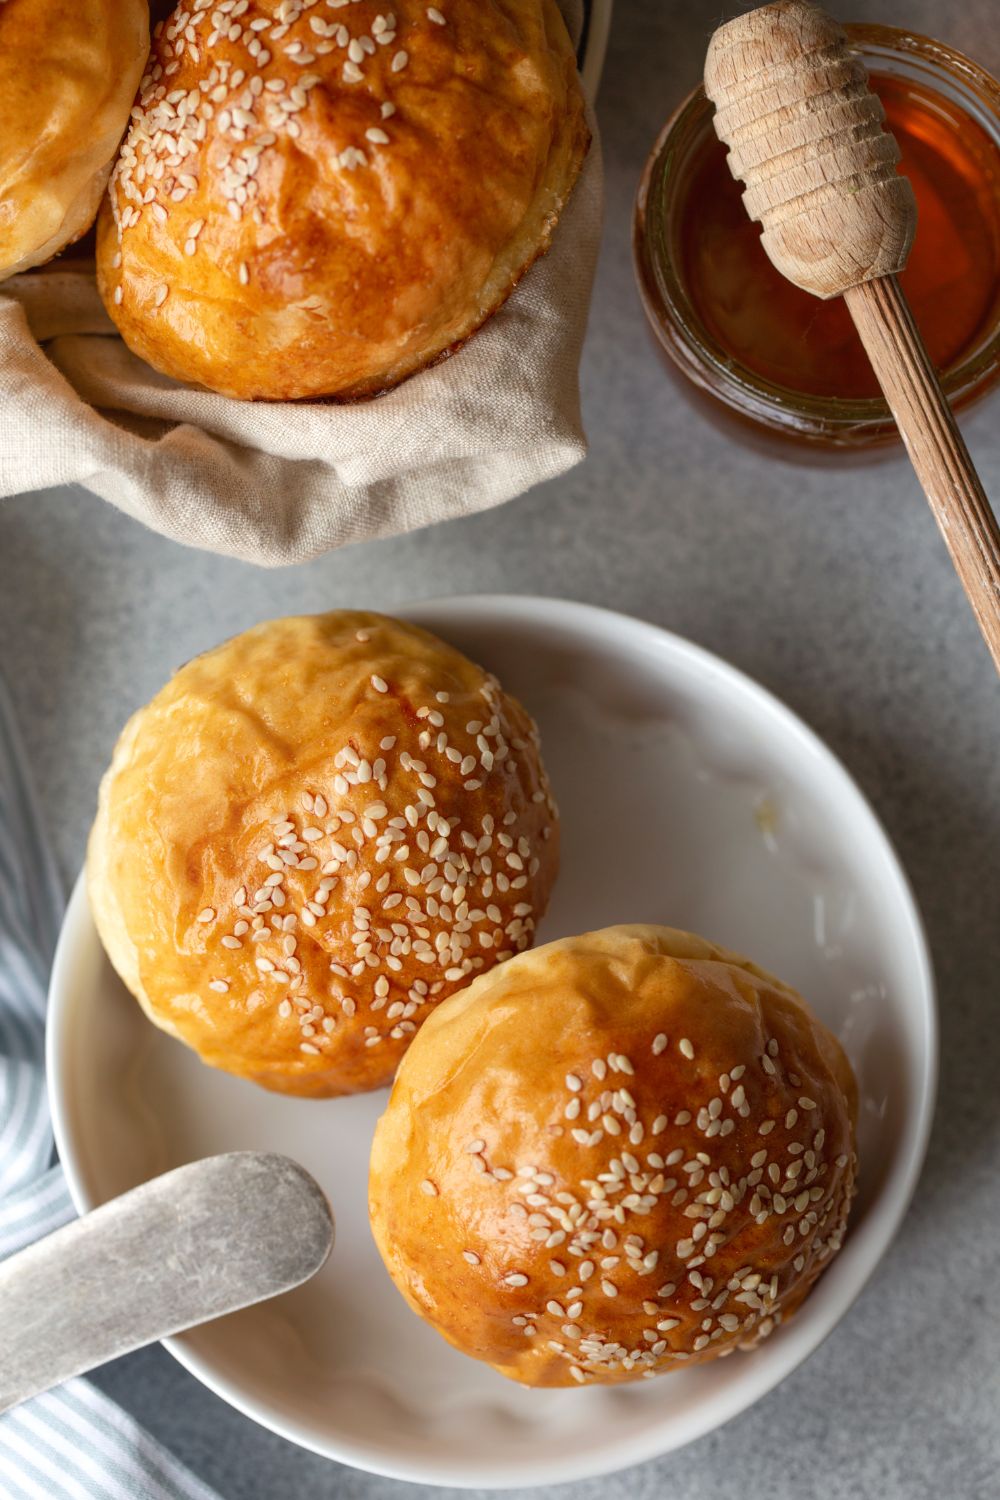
x=208, y=915
x=399, y=61
x=428, y=1187
x=433, y=14
x=685, y=1046
x=380, y=685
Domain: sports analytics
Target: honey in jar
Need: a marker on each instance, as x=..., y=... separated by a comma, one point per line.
x=952, y=278
x=778, y=356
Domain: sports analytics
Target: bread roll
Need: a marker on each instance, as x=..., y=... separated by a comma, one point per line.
x=68, y=74
x=310, y=837
x=318, y=199
x=621, y=1154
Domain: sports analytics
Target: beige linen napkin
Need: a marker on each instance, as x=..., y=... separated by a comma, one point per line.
x=281, y=482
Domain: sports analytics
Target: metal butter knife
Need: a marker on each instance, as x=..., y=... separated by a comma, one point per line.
x=194, y=1244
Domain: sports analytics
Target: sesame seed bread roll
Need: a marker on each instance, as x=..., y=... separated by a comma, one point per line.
x=311, y=836
x=68, y=74
x=318, y=198
x=618, y=1155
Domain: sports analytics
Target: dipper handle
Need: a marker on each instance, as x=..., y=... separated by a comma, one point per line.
x=937, y=449
x=805, y=134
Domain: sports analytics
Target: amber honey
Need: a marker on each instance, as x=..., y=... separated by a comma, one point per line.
x=952, y=278
x=785, y=360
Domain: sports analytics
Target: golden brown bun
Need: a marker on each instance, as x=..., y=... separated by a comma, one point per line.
x=614, y=1156
x=355, y=791
x=324, y=204
x=68, y=74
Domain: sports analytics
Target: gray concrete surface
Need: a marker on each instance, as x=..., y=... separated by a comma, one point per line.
x=827, y=584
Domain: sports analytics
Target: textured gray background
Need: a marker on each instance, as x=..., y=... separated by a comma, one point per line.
x=830, y=586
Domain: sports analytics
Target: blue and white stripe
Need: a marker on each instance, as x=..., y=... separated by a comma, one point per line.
x=73, y=1441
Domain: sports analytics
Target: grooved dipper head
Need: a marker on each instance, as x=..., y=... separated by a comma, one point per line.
x=805, y=134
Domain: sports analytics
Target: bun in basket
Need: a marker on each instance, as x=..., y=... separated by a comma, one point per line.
x=620, y=1154
x=311, y=836
x=319, y=198
x=68, y=75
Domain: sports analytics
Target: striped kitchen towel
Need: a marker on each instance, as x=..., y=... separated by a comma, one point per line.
x=72, y=1442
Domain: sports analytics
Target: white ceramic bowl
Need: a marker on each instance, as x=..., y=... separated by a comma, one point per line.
x=689, y=796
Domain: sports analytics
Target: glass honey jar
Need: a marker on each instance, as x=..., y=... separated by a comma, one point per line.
x=778, y=357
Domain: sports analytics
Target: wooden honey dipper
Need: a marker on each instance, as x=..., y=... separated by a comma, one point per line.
x=805, y=135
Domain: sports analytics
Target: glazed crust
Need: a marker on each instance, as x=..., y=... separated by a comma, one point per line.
x=311, y=836
x=320, y=201
x=621, y=1154
x=68, y=74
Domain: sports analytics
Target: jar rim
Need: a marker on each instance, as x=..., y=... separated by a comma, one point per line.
x=702, y=358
